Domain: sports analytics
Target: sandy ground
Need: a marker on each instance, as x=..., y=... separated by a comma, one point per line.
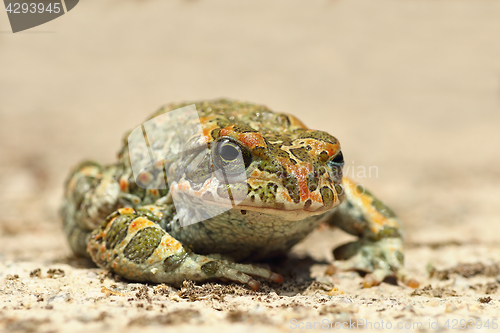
x=409, y=87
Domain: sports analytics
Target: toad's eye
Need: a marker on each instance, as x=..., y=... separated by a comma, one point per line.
x=339, y=159
x=230, y=156
x=228, y=152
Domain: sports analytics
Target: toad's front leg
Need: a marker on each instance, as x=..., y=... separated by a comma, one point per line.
x=133, y=245
x=379, y=250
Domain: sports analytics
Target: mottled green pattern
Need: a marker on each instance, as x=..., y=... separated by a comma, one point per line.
x=118, y=230
x=294, y=183
x=143, y=244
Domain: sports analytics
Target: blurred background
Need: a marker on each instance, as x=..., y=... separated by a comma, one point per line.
x=411, y=87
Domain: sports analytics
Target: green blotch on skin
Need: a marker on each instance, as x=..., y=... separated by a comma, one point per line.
x=275, y=151
x=400, y=256
x=382, y=209
x=174, y=261
x=149, y=214
x=118, y=230
x=307, y=204
x=210, y=268
x=143, y=244
x=327, y=196
x=323, y=156
x=387, y=232
x=215, y=133
x=291, y=184
x=339, y=189
x=300, y=153
x=312, y=182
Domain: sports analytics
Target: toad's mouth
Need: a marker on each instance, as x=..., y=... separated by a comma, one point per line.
x=289, y=215
x=209, y=195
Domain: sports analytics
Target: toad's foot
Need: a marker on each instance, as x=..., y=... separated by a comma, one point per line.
x=379, y=249
x=380, y=259
x=134, y=246
x=241, y=273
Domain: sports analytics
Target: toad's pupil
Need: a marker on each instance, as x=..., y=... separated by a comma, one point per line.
x=229, y=152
